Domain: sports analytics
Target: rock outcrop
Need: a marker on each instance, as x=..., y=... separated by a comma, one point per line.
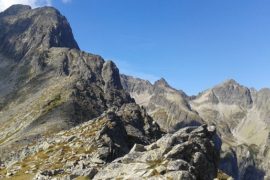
x=94, y=149
x=187, y=154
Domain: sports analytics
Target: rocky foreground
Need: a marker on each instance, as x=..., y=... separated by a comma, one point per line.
x=187, y=154
x=116, y=146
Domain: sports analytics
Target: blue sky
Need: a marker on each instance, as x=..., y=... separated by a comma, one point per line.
x=193, y=44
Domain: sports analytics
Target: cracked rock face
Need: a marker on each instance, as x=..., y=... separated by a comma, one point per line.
x=189, y=153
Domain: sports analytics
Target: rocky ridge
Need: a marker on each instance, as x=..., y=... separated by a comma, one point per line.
x=94, y=149
x=169, y=107
x=84, y=149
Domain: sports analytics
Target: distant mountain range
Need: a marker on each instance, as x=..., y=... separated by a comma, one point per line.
x=240, y=114
x=68, y=114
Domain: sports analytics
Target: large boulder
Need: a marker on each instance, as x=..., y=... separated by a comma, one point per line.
x=189, y=153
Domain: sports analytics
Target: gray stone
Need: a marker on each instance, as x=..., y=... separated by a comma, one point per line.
x=177, y=165
x=87, y=172
x=183, y=161
x=183, y=175
x=137, y=148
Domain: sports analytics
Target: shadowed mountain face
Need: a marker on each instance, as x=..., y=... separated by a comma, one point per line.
x=46, y=83
x=240, y=114
x=24, y=31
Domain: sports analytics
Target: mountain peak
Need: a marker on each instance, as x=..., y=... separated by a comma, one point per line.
x=162, y=82
x=16, y=9
x=24, y=30
x=230, y=82
x=231, y=92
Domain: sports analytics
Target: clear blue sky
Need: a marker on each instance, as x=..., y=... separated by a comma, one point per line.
x=193, y=44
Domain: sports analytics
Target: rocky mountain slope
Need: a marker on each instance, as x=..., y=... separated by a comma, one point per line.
x=241, y=116
x=91, y=150
x=84, y=149
x=169, y=107
x=47, y=83
x=64, y=113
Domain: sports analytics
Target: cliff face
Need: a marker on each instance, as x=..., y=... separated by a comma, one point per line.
x=65, y=114
x=240, y=114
